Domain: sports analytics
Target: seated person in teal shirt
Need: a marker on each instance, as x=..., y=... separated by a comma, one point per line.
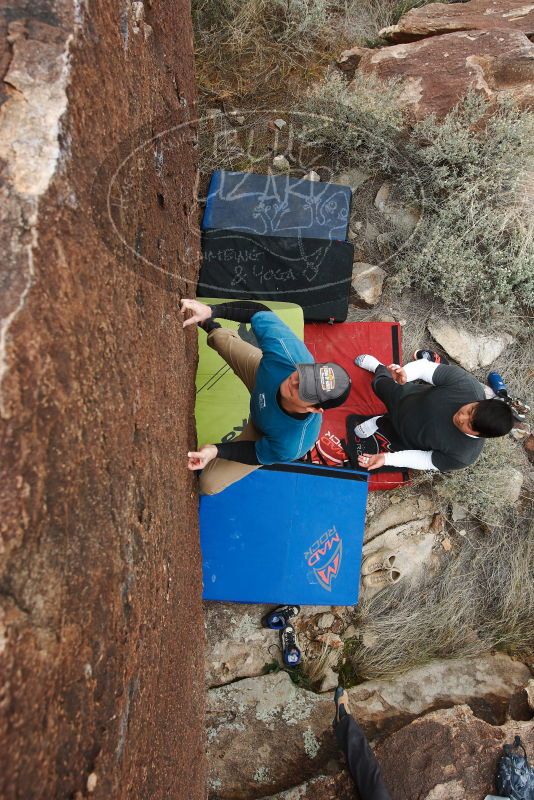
x=288, y=392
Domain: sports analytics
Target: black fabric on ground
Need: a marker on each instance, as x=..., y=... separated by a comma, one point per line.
x=314, y=273
x=361, y=762
x=385, y=440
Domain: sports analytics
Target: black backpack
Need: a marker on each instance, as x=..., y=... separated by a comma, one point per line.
x=515, y=777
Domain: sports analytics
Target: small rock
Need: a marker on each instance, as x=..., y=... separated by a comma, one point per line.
x=468, y=349
x=350, y=632
x=520, y=431
x=279, y=123
x=281, y=163
x=312, y=176
x=371, y=232
x=382, y=196
x=349, y=59
x=367, y=282
x=329, y=681
x=91, y=782
x=458, y=512
x=240, y=119
x=446, y=544
x=438, y=524
x=331, y=640
x=528, y=446
x=512, y=483
x=353, y=178
x=325, y=621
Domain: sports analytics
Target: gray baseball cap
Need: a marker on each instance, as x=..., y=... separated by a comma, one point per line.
x=327, y=385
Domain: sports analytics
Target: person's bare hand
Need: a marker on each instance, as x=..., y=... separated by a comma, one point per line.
x=200, y=312
x=372, y=462
x=199, y=459
x=397, y=373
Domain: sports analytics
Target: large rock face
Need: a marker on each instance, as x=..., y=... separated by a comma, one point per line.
x=100, y=580
x=266, y=735
x=482, y=15
x=447, y=755
x=436, y=73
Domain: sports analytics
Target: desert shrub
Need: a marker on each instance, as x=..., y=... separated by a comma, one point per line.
x=475, y=245
x=488, y=489
x=361, y=126
x=482, y=599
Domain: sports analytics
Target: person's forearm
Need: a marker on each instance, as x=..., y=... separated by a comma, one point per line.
x=420, y=370
x=244, y=452
x=238, y=311
x=411, y=459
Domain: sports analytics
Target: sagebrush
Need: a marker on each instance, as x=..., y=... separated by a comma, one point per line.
x=482, y=599
x=466, y=174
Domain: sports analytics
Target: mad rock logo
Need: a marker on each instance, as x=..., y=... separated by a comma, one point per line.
x=324, y=558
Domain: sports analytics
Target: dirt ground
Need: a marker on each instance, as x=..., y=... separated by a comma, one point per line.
x=101, y=628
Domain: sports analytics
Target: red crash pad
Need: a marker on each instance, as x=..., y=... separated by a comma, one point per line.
x=342, y=343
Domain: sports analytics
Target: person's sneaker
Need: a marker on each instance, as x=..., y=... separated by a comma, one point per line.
x=291, y=654
x=429, y=355
x=279, y=617
x=381, y=559
x=341, y=699
x=381, y=578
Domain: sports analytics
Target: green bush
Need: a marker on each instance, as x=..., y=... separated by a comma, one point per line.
x=474, y=245
x=488, y=489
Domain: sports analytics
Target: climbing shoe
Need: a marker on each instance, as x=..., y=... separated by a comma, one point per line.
x=341, y=699
x=430, y=355
x=279, y=617
x=291, y=654
x=518, y=408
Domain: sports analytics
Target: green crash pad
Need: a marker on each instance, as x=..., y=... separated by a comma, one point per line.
x=223, y=402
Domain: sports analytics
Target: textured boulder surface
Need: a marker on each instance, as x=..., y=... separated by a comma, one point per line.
x=266, y=735
x=447, y=755
x=437, y=72
x=100, y=582
x=482, y=15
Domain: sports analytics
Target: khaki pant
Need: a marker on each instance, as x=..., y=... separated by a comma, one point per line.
x=244, y=360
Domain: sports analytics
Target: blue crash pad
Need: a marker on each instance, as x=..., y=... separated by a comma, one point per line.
x=277, y=205
x=290, y=533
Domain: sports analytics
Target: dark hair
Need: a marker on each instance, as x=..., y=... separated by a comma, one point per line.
x=492, y=418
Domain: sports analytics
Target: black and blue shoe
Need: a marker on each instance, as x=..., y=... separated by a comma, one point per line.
x=291, y=654
x=279, y=617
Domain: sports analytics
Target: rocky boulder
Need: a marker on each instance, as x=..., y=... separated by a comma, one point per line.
x=324, y=787
x=447, y=755
x=483, y=15
x=100, y=567
x=470, y=350
x=266, y=735
x=437, y=73
x=367, y=282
